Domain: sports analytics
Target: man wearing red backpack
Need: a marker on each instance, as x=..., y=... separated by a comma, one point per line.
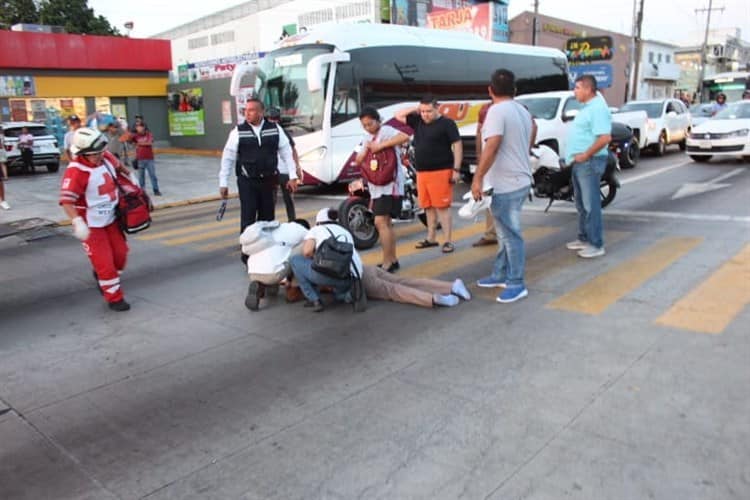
x=385, y=195
x=89, y=196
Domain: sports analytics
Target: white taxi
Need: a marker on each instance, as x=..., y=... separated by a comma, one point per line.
x=727, y=134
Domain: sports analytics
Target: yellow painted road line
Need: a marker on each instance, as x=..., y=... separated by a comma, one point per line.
x=402, y=230
x=225, y=229
x=187, y=227
x=462, y=258
x=711, y=306
x=601, y=292
x=547, y=264
x=407, y=248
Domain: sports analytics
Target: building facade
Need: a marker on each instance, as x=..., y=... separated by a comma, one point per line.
x=47, y=77
x=658, y=72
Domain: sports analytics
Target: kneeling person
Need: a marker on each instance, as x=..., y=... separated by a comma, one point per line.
x=308, y=278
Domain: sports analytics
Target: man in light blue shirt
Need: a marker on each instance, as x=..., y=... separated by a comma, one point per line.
x=588, y=139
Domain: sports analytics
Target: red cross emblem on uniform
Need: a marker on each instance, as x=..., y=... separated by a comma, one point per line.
x=108, y=187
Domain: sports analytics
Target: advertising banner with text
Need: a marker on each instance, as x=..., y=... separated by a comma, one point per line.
x=186, y=113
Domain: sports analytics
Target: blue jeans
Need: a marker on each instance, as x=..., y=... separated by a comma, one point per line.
x=586, y=180
x=511, y=258
x=150, y=166
x=309, y=280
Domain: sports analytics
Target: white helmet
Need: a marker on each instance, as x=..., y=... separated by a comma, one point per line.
x=86, y=141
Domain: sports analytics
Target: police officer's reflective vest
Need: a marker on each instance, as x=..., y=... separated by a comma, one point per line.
x=258, y=161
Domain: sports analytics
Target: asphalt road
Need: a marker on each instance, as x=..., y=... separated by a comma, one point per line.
x=624, y=377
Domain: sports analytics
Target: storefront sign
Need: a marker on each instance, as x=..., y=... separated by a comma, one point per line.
x=17, y=86
x=602, y=73
x=474, y=19
x=38, y=110
x=226, y=112
x=560, y=30
x=595, y=48
x=18, y=112
x=186, y=113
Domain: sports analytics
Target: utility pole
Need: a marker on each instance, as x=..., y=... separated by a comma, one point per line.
x=638, y=50
x=704, y=49
x=631, y=58
x=534, y=22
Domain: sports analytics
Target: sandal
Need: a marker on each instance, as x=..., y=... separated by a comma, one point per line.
x=448, y=247
x=426, y=244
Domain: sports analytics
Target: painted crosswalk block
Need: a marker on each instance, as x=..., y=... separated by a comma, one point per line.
x=710, y=307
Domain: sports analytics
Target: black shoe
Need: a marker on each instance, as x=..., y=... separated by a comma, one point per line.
x=395, y=266
x=317, y=306
x=120, y=305
x=157, y=193
x=254, y=293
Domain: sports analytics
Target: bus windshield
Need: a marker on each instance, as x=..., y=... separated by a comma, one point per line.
x=543, y=108
x=282, y=83
x=730, y=84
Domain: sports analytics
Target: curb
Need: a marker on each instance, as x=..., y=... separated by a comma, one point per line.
x=171, y=204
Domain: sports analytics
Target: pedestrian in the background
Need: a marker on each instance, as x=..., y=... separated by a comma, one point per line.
x=144, y=154
x=508, y=134
x=89, y=196
x=385, y=200
x=26, y=146
x=720, y=104
x=490, y=233
x=439, y=152
x=114, y=143
x=74, y=123
x=138, y=121
x=4, y=171
x=3, y=156
x=588, y=139
x=253, y=149
x=286, y=172
x=746, y=94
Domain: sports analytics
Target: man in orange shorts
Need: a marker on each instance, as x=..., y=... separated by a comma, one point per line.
x=439, y=152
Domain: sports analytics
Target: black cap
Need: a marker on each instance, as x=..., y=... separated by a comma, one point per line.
x=274, y=113
x=74, y=118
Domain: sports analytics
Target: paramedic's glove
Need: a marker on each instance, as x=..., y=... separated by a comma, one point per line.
x=80, y=229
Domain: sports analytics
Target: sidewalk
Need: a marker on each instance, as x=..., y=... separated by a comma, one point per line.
x=184, y=177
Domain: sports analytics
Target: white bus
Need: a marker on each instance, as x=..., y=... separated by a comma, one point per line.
x=320, y=80
x=731, y=84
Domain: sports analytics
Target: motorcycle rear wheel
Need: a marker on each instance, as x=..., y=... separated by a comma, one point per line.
x=356, y=217
x=607, y=190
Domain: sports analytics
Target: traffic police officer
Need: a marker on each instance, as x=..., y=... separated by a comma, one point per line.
x=253, y=149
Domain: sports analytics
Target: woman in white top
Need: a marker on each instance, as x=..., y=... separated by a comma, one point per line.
x=386, y=200
x=309, y=280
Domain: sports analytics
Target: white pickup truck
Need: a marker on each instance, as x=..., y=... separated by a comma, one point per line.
x=554, y=112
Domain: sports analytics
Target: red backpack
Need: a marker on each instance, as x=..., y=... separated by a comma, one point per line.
x=380, y=168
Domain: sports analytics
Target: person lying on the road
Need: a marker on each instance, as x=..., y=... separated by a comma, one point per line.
x=382, y=285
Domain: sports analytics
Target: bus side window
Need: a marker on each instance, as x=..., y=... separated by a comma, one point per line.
x=345, y=95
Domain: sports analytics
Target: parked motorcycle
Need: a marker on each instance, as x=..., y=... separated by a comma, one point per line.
x=553, y=179
x=624, y=145
x=356, y=216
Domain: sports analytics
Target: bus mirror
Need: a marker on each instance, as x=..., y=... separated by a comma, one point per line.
x=315, y=68
x=242, y=69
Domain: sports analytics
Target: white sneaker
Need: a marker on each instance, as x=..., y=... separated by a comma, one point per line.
x=576, y=245
x=591, y=251
x=4, y=205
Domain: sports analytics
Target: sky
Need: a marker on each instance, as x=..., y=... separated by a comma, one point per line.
x=672, y=21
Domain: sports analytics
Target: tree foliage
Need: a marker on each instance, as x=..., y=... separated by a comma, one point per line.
x=18, y=11
x=74, y=15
